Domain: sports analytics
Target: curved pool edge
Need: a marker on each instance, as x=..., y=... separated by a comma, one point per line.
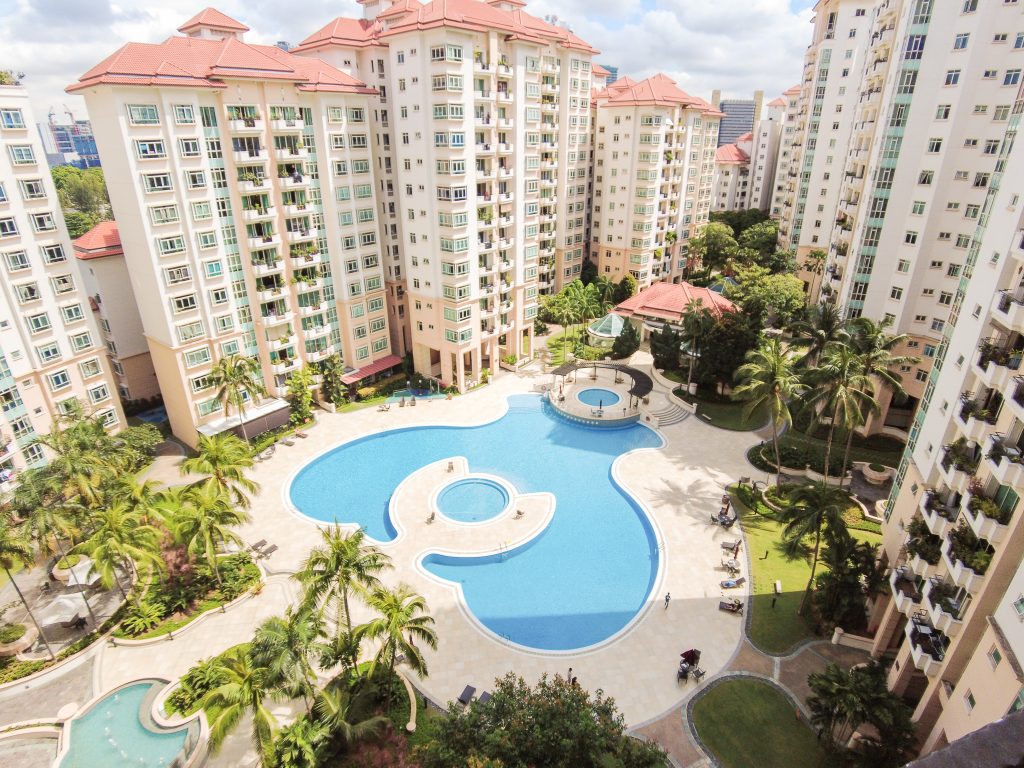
x=508, y=489
x=198, y=752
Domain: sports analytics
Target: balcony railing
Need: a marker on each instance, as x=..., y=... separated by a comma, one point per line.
x=998, y=354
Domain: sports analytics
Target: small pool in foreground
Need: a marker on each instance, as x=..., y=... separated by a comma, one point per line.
x=118, y=730
x=578, y=582
x=472, y=500
x=597, y=397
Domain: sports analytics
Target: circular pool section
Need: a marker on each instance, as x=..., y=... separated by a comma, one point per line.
x=597, y=397
x=472, y=500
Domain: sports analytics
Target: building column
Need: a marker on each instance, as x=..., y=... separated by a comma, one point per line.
x=902, y=671
x=888, y=624
x=477, y=357
x=460, y=372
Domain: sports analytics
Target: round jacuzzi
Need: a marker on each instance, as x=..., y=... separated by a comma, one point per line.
x=597, y=397
x=472, y=500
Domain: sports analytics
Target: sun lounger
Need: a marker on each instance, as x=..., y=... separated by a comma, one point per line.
x=484, y=697
x=288, y=441
x=269, y=550
x=734, y=583
x=730, y=544
x=302, y=435
x=732, y=606
x=258, y=545
x=467, y=695
x=698, y=674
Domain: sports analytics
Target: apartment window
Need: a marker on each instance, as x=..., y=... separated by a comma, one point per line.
x=90, y=368
x=169, y=245
x=59, y=380
x=38, y=323
x=48, y=353
x=938, y=324
x=184, y=114
x=8, y=227
x=1012, y=77
x=981, y=179
x=934, y=146
x=969, y=701
x=143, y=114
x=918, y=208
x=952, y=76
x=960, y=42
x=99, y=393
x=150, y=150
x=942, y=112
x=195, y=179
x=16, y=261
x=21, y=154
x=925, y=177
x=189, y=147
x=72, y=313
x=81, y=341
x=910, y=238
x=197, y=357
x=896, y=293
x=62, y=284
x=903, y=265
x=11, y=118
x=184, y=303
x=945, y=298
x=157, y=182
x=190, y=331
x=163, y=214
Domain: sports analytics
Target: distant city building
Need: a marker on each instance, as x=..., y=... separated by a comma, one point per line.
x=69, y=143
x=740, y=117
x=613, y=72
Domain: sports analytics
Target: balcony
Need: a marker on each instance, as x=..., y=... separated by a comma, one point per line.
x=1004, y=461
x=987, y=519
x=264, y=241
x=485, y=246
x=316, y=331
x=997, y=364
x=294, y=181
x=939, y=511
x=927, y=644
x=258, y=214
x=280, y=342
x=287, y=126
x=272, y=319
x=270, y=293
x=246, y=125
x=312, y=309
x=291, y=153
x=975, y=419
x=284, y=366
x=306, y=257
x=484, y=148
x=1008, y=311
x=317, y=355
x=248, y=156
x=303, y=235
x=959, y=464
x=261, y=268
x=945, y=605
x=905, y=593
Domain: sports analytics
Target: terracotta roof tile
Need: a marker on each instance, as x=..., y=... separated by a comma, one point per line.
x=667, y=301
x=600, y=71
x=200, y=63
x=211, y=17
x=657, y=90
x=779, y=102
x=730, y=153
x=794, y=91
x=101, y=240
x=748, y=136
x=352, y=33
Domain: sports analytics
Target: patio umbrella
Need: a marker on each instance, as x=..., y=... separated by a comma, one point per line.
x=62, y=610
x=80, y=575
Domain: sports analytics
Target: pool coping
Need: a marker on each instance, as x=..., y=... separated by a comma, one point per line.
x=462, y=604
x=199, y=751
x=510, y=496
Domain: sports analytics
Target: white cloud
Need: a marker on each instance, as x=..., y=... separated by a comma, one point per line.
x=736, y=46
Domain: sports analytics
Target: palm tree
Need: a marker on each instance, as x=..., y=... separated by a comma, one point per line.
x=565, y=314
x=338, y=709
x=812, y=508
x=284, y=646
x=402, y=621
x=815, y=264
x=697, y=321
x=79, y=461
x=119, y=539
x=769, y=381
x=345, y=564
x=224, y=459
x=299, y=744
x=201, y=518
x=15, y=551
x=245, y=690
x=842, y=390
x=237, y=379
x=604, y=289
x=823, y=327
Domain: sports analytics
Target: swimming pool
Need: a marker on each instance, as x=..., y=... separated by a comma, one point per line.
x=112, y=733
x=597, y=397
x=472, y=500
x=578, y=582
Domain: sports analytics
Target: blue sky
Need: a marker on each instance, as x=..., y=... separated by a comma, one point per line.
x=736, y=46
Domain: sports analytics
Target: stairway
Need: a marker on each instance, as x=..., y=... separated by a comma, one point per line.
x=671, y=414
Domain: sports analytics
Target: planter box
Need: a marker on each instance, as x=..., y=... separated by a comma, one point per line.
x=877, y=478
x=23, y=643
x=63, y=574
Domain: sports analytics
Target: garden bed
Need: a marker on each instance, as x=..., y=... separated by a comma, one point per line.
x=721, y=411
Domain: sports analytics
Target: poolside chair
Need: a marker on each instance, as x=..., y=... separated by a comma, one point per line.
x=730, y=544
x=734, y=583
x=484, y=697
x=269, y=551
x=734, y=605
x=258, y=545
x=698, y=674
x=683, y=673
x=467, y=695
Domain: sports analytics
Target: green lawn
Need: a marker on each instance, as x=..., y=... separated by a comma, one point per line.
x=876, y=448
x=725, y=414
x=557, y=348
x=750, y=724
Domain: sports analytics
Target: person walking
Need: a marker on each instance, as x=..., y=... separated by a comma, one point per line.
x=668, y=599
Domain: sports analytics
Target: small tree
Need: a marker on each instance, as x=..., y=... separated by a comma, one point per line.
x=300, y=396
x=714, y=245
x=725, y=346
x=665, y=348
x=626, y=288
x=588, y=272
x=332, y=388
x=627, y=342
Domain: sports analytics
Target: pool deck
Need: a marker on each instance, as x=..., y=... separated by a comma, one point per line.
x=680, y=485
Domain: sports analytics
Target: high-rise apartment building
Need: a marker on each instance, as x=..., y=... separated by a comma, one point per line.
x=764, y=153
x=241, y=179
x=488, y=112
x=954, y=532
x=739, y=116
x=69, y=143
x=785, y=179
x=654, y=163
x=732, y=175
x=107, y=281
x=51, y=356
x=609, y=72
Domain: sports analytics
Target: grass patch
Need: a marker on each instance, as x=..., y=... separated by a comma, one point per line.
x=677, y=376
x=724, y=413
x=557, y=348
x=877, y=449
x=749, y=723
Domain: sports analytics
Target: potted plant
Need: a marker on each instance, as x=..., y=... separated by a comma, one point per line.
x=875, y=473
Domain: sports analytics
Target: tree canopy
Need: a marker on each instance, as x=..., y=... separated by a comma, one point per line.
x=725, y=347
x=83, y=197
x=760, y=294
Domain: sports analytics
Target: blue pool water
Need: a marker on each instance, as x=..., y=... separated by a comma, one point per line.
x=111, y=733
x=578, y=582
x=408, y=394
x=597, y=397
x=472, y=500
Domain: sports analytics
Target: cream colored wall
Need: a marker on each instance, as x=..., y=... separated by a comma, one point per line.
x=139, y=375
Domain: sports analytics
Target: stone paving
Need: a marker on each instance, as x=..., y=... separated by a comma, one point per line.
x=679, y=485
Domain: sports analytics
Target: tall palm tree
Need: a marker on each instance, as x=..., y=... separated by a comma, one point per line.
x=224, y=459
x=697, y=322
x=338, y=708
x=604, y=289
x=119, y=539
x=565, y=314
x=823, y=327
x=813, y=507
x=285, y=646
x=14, y=551
x=345, y=564
x=80, y=463
x=237, y=379
x=246, y=690
x=841, y=390
x=299, y=744
x=201, y=519
x=769, y=380
x=402, y=621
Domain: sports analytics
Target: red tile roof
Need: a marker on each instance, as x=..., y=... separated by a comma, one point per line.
x=101, y=240
x=351, y=33
x=667, y=301
x=600, y=71
x=211, y=17
x=400, y=8
x=657, y=90
x=199, y=63
x=730, y=153
x=792, y=91
x=375, y=367
x=779, y=102
x=748, y=136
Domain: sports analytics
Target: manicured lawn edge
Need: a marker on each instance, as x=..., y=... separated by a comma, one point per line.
x=723, y=415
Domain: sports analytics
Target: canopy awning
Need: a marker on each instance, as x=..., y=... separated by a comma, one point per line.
x=62, y=610
x=83, y=575
x=375, y=367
